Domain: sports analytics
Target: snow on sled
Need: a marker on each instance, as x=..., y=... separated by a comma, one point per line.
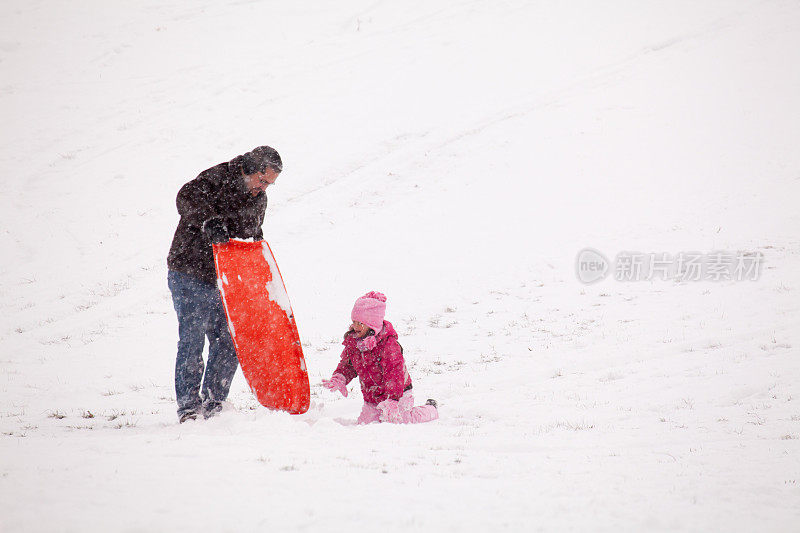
x=262, y=324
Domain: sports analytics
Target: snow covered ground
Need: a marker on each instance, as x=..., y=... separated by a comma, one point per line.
x=456, y=156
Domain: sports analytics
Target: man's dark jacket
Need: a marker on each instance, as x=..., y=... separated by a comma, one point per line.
x=219, y=191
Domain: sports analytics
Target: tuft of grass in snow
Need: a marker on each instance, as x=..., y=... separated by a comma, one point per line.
x=611, y=376
x=564, y=424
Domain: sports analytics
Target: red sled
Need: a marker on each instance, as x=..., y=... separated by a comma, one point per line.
x=262, y=325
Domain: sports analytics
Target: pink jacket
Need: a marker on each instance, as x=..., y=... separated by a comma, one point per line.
x=381, y=370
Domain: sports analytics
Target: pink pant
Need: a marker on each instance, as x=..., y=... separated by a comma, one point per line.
x=405, y=406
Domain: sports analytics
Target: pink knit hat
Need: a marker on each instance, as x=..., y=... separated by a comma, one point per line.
x=370, y=310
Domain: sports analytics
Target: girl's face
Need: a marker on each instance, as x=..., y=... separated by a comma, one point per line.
x=361, y=330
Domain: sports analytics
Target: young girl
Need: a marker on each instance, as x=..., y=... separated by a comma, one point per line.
x=372, y=353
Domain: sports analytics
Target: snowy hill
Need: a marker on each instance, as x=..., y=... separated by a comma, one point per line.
x=456, y=156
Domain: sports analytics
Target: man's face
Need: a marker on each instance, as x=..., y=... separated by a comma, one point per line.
x=258, y=182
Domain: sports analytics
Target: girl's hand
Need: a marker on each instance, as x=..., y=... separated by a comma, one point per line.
x=337, y=382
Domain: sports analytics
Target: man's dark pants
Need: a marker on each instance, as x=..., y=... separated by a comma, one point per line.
x=200, y=315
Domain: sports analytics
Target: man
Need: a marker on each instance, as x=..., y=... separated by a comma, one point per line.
x=227, y=200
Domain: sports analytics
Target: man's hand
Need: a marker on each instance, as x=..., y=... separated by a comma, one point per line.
x=215, y=230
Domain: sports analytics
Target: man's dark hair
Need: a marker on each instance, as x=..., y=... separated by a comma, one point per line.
x=258, y=160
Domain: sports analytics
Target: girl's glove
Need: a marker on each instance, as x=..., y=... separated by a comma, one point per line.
x=394, y=411
x=390, y=411
x=337, y=382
